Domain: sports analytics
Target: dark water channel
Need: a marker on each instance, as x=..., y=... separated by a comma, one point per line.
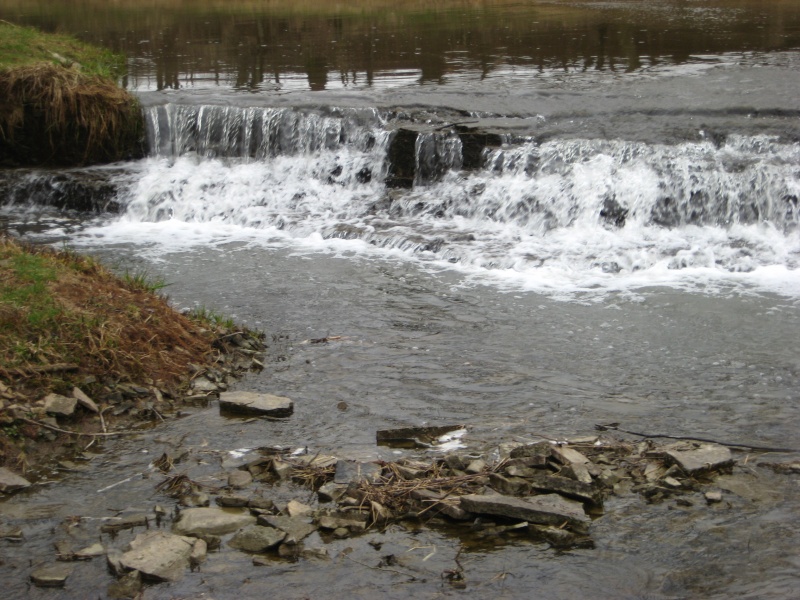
x=502, y=297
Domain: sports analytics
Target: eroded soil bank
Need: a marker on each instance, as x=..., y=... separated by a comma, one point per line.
x=86, y=355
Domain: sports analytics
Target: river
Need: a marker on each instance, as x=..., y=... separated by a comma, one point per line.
x=527, y=217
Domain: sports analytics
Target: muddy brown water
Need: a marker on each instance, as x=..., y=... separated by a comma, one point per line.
x=423, y=344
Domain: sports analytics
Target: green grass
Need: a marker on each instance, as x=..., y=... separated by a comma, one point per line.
x=31, y=296
x=143, y=281
x=207, y=315
x=23, y=46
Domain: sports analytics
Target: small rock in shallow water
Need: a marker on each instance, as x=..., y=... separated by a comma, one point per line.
x=239, y=479
x=11, y=482
x=159, y=556
x=248, y=403
x=713, y=497
x=213, y=521
x=256, y=538
x=52, y=575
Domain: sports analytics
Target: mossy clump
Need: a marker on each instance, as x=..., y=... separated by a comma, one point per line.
x=56, y=110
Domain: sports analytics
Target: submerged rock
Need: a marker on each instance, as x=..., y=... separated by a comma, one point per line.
x=11, y=482
x=51, y=575
x=257, y=538
x=248, y=403
x=160, y=556
x=698, y=458
x=212, y=521
x=548, y=509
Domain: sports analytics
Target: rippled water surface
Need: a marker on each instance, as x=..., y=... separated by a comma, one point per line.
x=529, y=218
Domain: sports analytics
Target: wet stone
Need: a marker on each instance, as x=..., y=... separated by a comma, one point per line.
x=126, y=523
x=713, y=497
x=159, y=556
x=248, y=403
x=59, y=405
x=696, y=458
x=548, y=509
x=233, y=501
x=90, y=551
x=295, y=528
x=511, y=486
x=256, y=538
x=298, y=509
x=51, y=575
x=213, y=521
x=566, y=487
x=539, y=449
x=331, y=492
x=239, y=479
x=128, y=586
x=568, y=456
x=11, y=482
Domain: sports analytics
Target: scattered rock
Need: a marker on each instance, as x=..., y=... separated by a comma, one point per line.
x=295, y=528
x=713, y=497
x=699, y=458
x=298, y=509
x=568, y=456
x=567, y=487
x=239, y=479
x=476, y=466
x=159, y=556
x=51, y=575
x=91, y=551
x=347, y=521
x=59, y=405
x=256, y=538
x=331, y=492
x=233, y=501
x=547, y=509
x=127, y=586
x=11, y=482
x=84, y=400
x=212, y=521
x=126, y=523
x=248, y=403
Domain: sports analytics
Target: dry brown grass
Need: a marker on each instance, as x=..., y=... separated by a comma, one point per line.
x=50, y=114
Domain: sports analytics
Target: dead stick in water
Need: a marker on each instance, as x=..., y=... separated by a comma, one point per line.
x=614, y=427
x=98, y=434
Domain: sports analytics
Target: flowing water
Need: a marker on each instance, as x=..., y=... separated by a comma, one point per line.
x=527, y=217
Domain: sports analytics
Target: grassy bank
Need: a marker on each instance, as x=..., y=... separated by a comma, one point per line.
x=60, y=103
x=67, y=322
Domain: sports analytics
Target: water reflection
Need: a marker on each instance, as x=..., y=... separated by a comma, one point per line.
x=280, y=45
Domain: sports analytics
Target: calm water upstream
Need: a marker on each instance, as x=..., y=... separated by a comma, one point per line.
x=528, y=217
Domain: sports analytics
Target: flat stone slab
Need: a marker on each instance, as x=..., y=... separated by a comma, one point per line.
x=11, y=482
x=547, y=509
x=295, y=528
x=249, y=403
x=159, y=556
x=59, y=405
x=212, y=521
x=257, y=538
x=567, y=487
x=697, y=458
x=52, y=575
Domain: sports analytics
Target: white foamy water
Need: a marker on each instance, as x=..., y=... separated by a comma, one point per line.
x=568, y=217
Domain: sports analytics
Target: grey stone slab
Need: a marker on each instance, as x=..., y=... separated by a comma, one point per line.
x=698, y=458
x=11, y=482
x=249, y=403
x=51, y=575
x=568, y=487
x=295, y=528
x=256, y=538
x=547, y=509
x=212, y=521
x=159, y=556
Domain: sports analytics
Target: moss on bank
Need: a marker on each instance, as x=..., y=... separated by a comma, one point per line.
x=67, y=322
x=60, y=104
